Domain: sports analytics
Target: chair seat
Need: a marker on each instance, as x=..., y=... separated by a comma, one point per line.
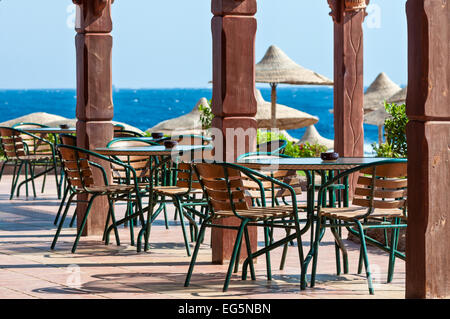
x=175, y=190
x=259, y=213
x=36, y=157
x=110, y=189
x=351, y=213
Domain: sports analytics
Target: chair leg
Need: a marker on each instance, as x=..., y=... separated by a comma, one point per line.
x=267, y=240
x=16, y=176
x=365, y=257
x=1, y=170
x=234, y=254
x=83, y=223
x=395, y=233
x=61, y=205
x=32, y=179
x=249, y=253
x=195, y=253
x=113, y=219
x=45, y=179
x=316, y=250
x=183, y=226
x=26, y=178
x=61, y=222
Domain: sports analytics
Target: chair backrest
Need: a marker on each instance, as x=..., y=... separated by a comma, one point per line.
x=186, y=176
x=68, y=139
x=34, y=146
x=383, y=186
x=271, y=190
x=118, y=127
x=275, y=146
x=139, y=163
x=223, y=185
x=76, y=167
x=12, y=143
x=191, y=139
x=125, y=133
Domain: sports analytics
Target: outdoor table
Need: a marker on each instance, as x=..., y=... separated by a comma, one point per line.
x=308, y=164
x=151, y=151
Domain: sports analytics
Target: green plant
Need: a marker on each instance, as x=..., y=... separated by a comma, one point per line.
x=395, y=130
x=206, y=115
x=311, y=150
x=292, y=149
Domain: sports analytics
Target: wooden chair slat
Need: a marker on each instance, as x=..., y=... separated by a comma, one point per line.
x=399, y=193
x=379, y=203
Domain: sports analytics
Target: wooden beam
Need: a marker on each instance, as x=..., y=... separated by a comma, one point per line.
x=428, y=135
x=348, y=81
x=94, y=94
x=234, y=103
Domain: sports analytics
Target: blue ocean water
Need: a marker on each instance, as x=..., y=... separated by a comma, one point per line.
x=144, y=108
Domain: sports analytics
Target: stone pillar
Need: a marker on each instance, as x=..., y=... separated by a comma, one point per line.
x=348, y=81
x=94, y=93
x=428, y=135
x=233, y=103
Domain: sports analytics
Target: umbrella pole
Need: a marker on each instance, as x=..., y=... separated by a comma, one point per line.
x=274, y=104
x=380, y=134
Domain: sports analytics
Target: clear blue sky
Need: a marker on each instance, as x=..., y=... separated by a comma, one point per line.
x=165, y=44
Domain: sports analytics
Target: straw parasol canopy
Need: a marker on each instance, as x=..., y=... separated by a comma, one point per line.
x=312, y=136
x=276, y=67
x=399, y=97
x=288, y=118
x=38, y=117
x=188, y=123
x=379, y=91
x=377, y=117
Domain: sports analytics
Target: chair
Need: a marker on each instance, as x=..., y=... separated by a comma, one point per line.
x=273, y=147
x=126, y=133
x=380, y=201
x=225, y=191
x=79, y=171
x=278, y=196
x=141, y=166
x=66, y=139
x=27, y=150
x=30, y=141
x=183, y=196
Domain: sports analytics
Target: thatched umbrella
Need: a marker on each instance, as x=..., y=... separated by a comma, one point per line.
x=287, y=118
x=399, y=97
x=312, y=136
x=276, y=67
x=377, y=117
x=379, y=91
x=38, y=117
x=188, y=123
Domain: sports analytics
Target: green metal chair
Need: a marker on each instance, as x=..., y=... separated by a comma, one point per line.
x=30, y=141
x=224, y=187
x=272, y=148
x=140, y=164
x=27, y=153
x=126, y=133
x=78, y=167
x=66, y=139
x=379, y=202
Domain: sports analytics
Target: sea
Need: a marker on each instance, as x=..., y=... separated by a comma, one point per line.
x=144, y=108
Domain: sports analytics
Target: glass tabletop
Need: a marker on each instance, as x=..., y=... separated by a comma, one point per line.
x=315, y=161
x=149, y=150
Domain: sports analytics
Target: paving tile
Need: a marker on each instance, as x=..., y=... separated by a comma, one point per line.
x=29, y=269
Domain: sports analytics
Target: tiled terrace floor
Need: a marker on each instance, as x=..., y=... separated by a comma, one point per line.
x=29, y=269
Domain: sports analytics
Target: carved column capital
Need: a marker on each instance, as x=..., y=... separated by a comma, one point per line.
x=339, y=9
